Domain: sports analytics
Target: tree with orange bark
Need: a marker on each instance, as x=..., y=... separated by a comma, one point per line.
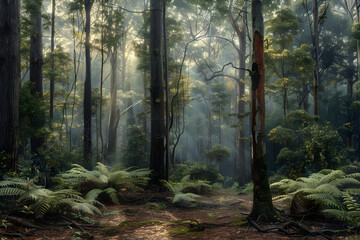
x=262, y=201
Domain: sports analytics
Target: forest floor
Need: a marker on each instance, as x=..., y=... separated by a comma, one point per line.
x=144, y=216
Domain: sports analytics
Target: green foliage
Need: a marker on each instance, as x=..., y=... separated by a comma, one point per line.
x=355, y=31
x=105, y=182
x=186, y=190
x=197, y=171
x=328, y=192
x=133, y=153
x=282, y=136
x=43, y=201
x=293, y=160
x=284, y=27
x=322, y=146
x=218, y=153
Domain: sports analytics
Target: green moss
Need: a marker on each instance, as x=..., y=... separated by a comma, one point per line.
x=119, y=228
x=181, y=231
x=239, y=222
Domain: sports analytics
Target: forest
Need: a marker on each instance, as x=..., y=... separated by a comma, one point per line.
x=180, y=119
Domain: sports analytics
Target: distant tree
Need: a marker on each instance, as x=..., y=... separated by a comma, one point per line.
x=219, y=154
x=262, y=200
x=219, y=100
x=9, y=81
x=36, y=70
x=52, y=40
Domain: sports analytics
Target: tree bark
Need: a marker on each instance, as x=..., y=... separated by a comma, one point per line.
x=52, y=79
x=316, y=58
x=36, y=62
x=9, y=80
x=262, y=201
x=166, y=78
x=241, y=101
x=87, y=88
x=114, y=112
x=157, y=94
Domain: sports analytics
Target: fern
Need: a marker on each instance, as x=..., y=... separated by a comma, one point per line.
x=329, y=191
x=44, y=201
x=105, y=181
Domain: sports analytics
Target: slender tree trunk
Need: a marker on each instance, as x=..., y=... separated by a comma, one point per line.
x=316, y=58
x=262, y=201
x=9, y=81
x=87, y=88
x=157, y=94
x=52, y=77
x=101, y=92
x=36, y=62
x=114, y=112
x=241, y=105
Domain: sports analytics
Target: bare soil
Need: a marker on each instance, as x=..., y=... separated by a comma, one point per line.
x=217, y=216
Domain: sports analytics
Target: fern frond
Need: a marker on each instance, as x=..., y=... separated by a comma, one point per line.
x=335, y=174
x=185, y=197
x=92, y=195
x=338, y=214
x=102, y=168
x=354, y=191
x=326, y=199
x=83, y=207
x=9, y=191
x=329, y=189
x=345, y=182
x=35, y=194
x=353, y=175
x=112, y=193
x=281, y=198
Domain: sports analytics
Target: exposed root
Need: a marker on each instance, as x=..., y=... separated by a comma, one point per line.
x=301, y=230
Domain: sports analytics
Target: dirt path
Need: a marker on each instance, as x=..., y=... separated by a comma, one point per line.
x=218, y=216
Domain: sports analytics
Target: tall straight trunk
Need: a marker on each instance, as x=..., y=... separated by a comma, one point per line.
x=52, y=47
x=145, y=87
x=114, y=112
x=166, y=78
x=101, y=92
x=262, y=200
x=316, y=58
x=87, y=88
x=241, y=101
x=157, y=94
x=9, y=81
x=241, y=34
x=36, y=62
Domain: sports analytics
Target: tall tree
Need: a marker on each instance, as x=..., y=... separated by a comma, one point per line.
x=241, y=34
x=9, y=80
x=36, y=74
x=262, y=201
x=157, y=93
x=87, y=91
x=52, y=77
x=316, y=57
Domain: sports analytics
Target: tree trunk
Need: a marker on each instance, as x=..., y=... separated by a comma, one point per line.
x=9, y=81
x=262, y=202
x=316, y=58
x=166, y=78
x=241, y=101
x=52, y=78
x=87, y=89
x=114, y=112
x=36, y=62
x=157, y=94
